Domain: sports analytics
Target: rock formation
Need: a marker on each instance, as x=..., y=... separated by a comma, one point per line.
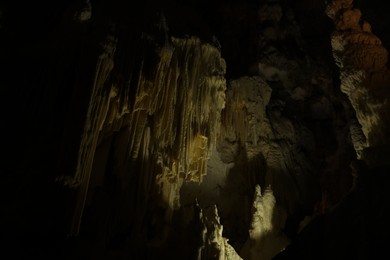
x=344, y=231
x=364, y=75
x=194, y=130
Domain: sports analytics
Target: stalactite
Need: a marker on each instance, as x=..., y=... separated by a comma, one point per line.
x=99, y=103
x=364, y=76
x=245, y=116
x=254, y=121
x=184, y=98
x=94, y=119
x=172, y=123
x=85, y=12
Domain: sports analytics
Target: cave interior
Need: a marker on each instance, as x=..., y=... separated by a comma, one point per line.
x=172, y=129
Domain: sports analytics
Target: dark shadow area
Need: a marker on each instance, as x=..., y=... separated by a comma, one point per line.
x=356, y=228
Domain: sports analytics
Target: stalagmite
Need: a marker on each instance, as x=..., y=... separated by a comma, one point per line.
x=265, y=235
x=215, y=245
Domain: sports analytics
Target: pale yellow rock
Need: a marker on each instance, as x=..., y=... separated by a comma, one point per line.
x=265, y=236
x=215, y=245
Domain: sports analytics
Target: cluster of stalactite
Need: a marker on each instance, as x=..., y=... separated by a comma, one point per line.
x=185, y=99
x=172, y=122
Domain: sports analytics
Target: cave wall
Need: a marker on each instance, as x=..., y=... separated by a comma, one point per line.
x=355, y=228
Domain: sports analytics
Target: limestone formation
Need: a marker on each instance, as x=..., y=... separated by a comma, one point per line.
x=215, y=245
x=184, y=98
x=364, y=75
x=266, y=238
x=117, y=115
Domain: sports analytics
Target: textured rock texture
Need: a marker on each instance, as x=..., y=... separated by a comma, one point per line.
x=215, y=245
x=364, y=75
